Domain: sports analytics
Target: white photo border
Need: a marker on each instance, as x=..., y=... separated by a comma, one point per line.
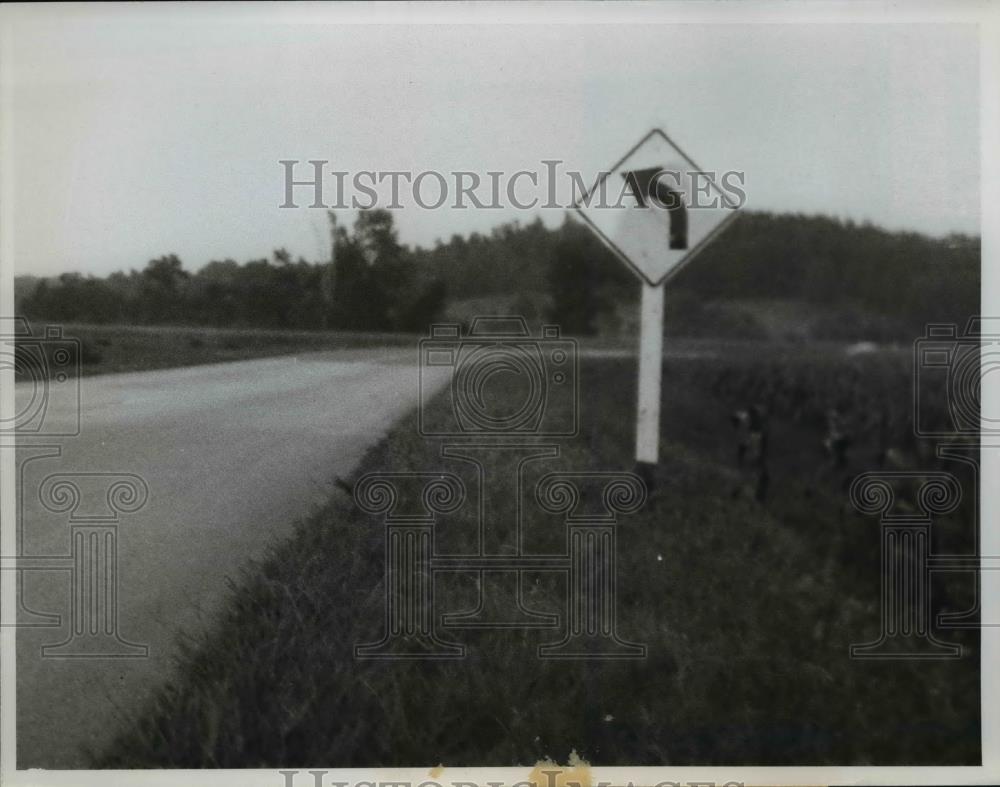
x=985, y=15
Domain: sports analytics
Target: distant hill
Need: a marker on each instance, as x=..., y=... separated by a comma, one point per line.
x=786, y=275
x=903, y=276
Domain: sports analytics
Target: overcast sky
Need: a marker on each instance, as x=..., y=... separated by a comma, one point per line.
x=136, y=137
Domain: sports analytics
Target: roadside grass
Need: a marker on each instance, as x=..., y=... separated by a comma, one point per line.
x=747, y=611
x=106, y=349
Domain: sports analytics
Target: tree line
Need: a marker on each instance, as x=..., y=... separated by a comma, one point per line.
x=374, y=282
x=371, y=283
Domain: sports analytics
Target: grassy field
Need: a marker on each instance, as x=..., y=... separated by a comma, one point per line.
x=105, y=349
x=747, y=611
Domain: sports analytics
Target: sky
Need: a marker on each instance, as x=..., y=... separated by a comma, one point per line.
x=138, y=134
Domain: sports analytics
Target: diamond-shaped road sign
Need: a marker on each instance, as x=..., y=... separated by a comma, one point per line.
x=656, y=209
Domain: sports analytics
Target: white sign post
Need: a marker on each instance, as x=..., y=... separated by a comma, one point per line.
x=655, y=209
x=647, y=424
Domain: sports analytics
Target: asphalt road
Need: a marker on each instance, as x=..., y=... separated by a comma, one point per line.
x=232, y=455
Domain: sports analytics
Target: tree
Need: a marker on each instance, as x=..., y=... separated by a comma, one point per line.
x=584, y=280
x=162, y=290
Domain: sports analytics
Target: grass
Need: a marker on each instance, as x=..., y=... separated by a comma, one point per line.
x=106, y=349
x=747, y=611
